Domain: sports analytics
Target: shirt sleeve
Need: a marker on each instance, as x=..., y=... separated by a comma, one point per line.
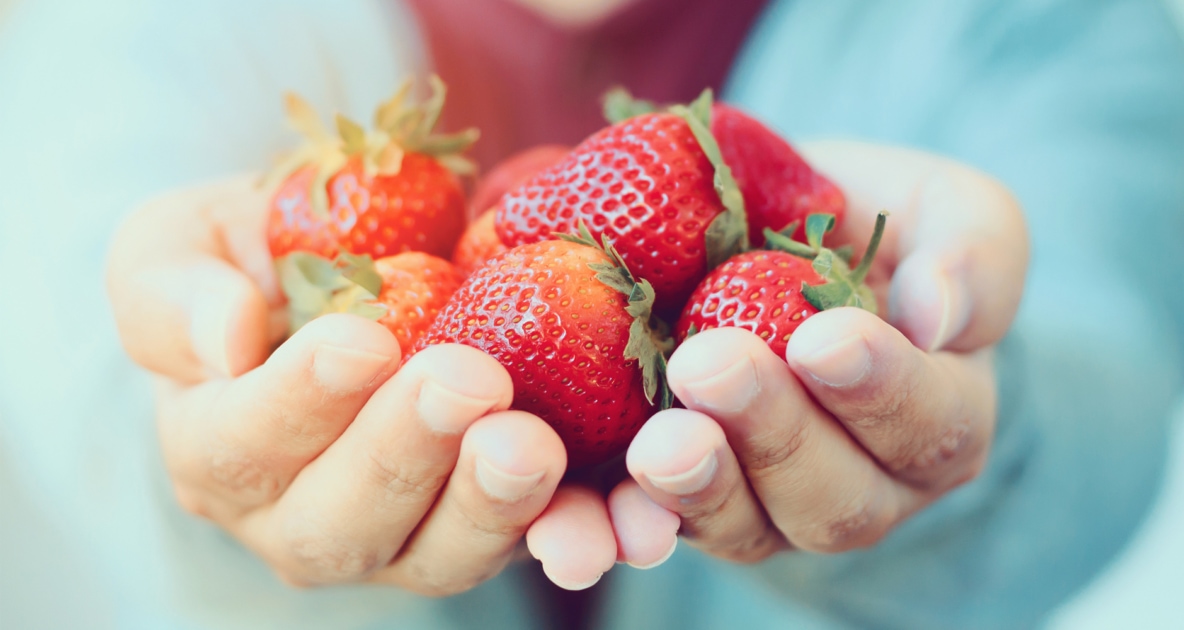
x=1079, y=109
x=106, y=104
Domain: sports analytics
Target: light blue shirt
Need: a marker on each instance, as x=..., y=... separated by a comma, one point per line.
x=1077, y=105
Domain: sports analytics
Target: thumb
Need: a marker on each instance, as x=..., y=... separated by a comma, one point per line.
x=182, y=309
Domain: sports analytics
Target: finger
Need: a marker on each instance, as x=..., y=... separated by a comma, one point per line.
x=183, y=304
x=573, y=538
x=683, y=462
x=349, y=511
x=646, y=533
x=242, y=441
x=956, y=239
x=927, y=418
x=510, y=464
x=816, y=484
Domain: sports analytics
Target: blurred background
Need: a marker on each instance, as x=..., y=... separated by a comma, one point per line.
x=1140, y=589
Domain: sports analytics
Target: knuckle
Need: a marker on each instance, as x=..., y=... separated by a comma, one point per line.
x=887, y=408
x=490, y=526
x=857, y=526
x=316, y=556
x=242, y=477
x=749, y=550
x=426, y=581
x=706, y=510
x=770, y=455
x=971, y=471
x=302, y=427
x=928, y=457
x=401, y=480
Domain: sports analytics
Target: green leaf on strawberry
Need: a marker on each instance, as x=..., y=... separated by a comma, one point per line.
x=315, y=285
x=728, y=233
x=648, y=344
x=399, y=129
x=844, y=286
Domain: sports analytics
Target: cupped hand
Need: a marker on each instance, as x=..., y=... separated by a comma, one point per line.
x=866, y=420
x=322, y=457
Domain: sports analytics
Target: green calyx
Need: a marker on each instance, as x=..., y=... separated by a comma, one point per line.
x=728, y=233
x=317, y=286
x=844, y=286
x=649, y=342
x=400, y=127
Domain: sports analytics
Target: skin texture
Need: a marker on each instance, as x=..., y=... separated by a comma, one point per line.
x=771, y=452
x=320, y=458
x=862, y=422
x=644, y=184
x=421, y=208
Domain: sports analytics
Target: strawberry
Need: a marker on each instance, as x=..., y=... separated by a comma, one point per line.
x=772, y=292
x=572, y=326
x=654, y=185
x=382, y=192
x=779, y=187
x=478, y=244
x=511, y=172
x=404, y=292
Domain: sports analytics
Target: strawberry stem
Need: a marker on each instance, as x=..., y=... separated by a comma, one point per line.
x=843, y=286
x=865, y=263
x=727, y=235
x=399, y=128
x=648, y=342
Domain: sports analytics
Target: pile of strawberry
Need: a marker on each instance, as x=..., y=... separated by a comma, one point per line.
x=581, y=257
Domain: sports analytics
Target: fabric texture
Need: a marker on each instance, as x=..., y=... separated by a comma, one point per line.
x=525, y=81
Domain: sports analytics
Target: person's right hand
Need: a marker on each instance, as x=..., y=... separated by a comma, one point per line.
x=320, y=458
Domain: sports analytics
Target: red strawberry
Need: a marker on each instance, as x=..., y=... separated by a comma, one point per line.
x=779, y=186
x=654, y=186
x=571, y=325
x=478, y=244
x=772, y=292
x=404, y=292
x=379, y=193
x=511, y=172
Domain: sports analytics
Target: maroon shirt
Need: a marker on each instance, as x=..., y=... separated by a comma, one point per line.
x=525, y=81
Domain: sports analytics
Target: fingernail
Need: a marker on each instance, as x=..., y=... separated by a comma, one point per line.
x=664, y=558
x=505, y=486
x=446, y=411
x=569, y=585
x=731, y=390
x=837, y=364
x=928, y=302
x=208, y=331
x=688, y=482
x=955, y=311
x=343, y=370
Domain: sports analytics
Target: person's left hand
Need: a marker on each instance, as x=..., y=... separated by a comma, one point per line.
x=864, y=421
